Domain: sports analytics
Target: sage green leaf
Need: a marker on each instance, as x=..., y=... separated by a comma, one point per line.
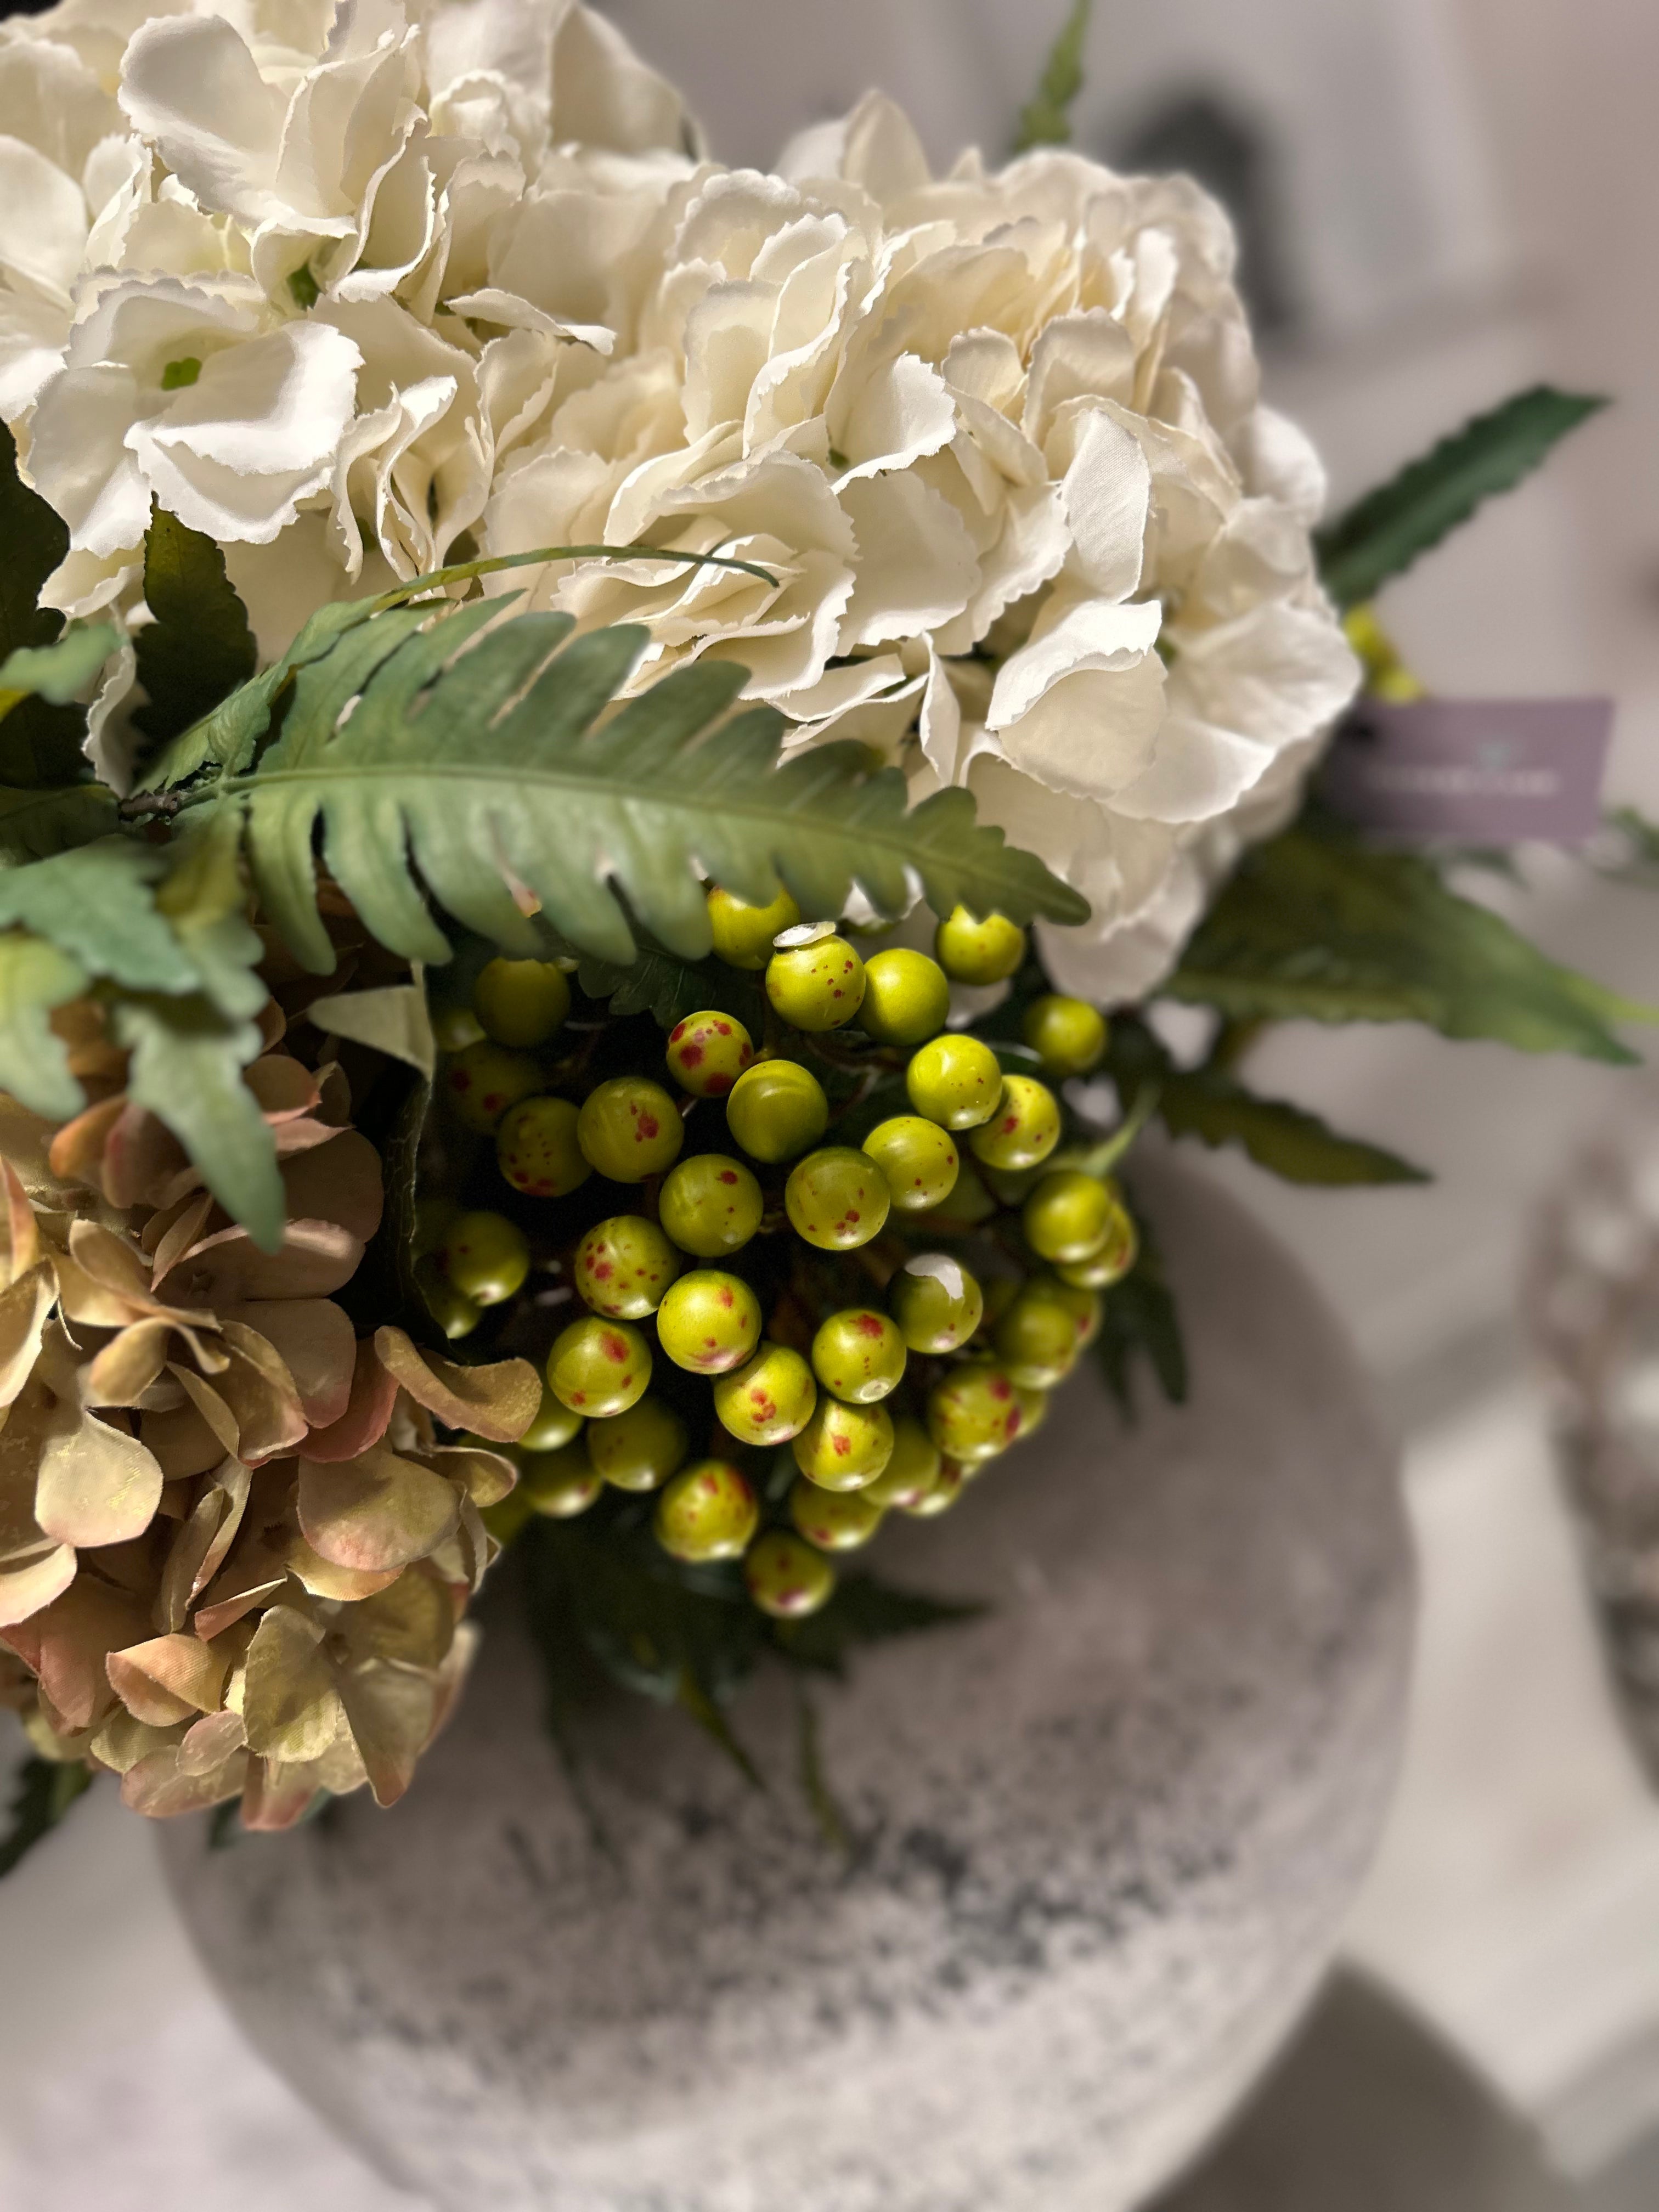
x=34, y=977
x=393, y=1020
x=56, y=673
x=865, y=1610
x=1381, y=535
x=98, y=902
x=204, y=897
x=478, y=776
x=187, y=1062
x=1287, y=1139
x=36, y=823
x=199, y=649
x=662, y=984
x=46, y=1789
x=40, y=741
x=1046, y=119
x=1317, y=927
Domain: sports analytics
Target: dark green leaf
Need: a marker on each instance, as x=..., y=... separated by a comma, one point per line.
x=39, y=742
x=695, y=1700
x=832, y=1822
x=199, y=648
x=1046, y=119
x=1285, y=1139
x=1384, y=533
x=496, y=766
x=866, y=1611
x=651, y=1627
x=660, y=983
x=1317, y=927
x=56, y=673
x=1639, y=863
x=1140, y=1319
x=36, y=823
x=46, y=1790
x=34, y=977
x=187, y=1062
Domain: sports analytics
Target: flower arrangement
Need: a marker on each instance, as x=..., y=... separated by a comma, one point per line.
x=511, y=625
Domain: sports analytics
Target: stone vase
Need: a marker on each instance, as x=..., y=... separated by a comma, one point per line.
x=1102, y=1839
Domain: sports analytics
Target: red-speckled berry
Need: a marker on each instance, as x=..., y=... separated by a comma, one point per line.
x=521, y=1002
x=743, y=934
x=769, y=1399
x=710, y=1206
x=918, y=1160
x=837, y=1199
x=553, y=1425
x=537, y=1151
x=844, y=1447
x=598, y=1368
x=484, y=1079
x=834, y=1520
x=943, y=1495
x=709, y=1321
x=641, y=1449
x=623, y=1266
x=906, y=997
x=974, y=951
x=1068, y=1216
x=955, y=1081
x=456, y=1314
x=973, y=1413
x=1082, y=1303
x=486, y=1257
x=816, y=986
x=1112, y=1258
x=777, y=1109
x=911, y=1470
x=859, y=1356
x=706, y=1512
x=1023, y=1130
x=1066, y=1035
x=786, y=1577
x=1036, y=1338
x=707, y=1053
x=559, y=1484
x=1033, y=1410
x=629, y=1129
x=936, y=1303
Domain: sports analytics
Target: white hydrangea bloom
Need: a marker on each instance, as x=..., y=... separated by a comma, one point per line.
x=353, y=288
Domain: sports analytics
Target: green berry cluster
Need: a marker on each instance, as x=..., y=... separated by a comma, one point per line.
x=782, y=1281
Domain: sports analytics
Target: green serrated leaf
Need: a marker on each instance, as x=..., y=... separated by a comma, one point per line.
x=204, y=898
x=662, y=984
x=39, y=742
x=815, y=1783
x=649, y=1626
x=187, y=1062
x=36, y=823
x=98, y=902
x=864, y=1610
x=34, y=978
x=56, y=673
x=693, y=1698
x=199, y=648
x=1382, y=534
x=1287, y=1139
x=1639, y=863
x=1140, y=1319
x=1046, y=119
x=46, y=1789
x=460, y=773
x=1317, y=927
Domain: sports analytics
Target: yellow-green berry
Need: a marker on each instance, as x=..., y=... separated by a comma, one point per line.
x=955, y=1081
x=641, y=1449
x=1023, y=1130
x=484, y=1079
x=1079, y=1300
x=521, y=1002
x=911, y=1470
x=1036, y=1339
x=1033, y=1410
x=623, y=1266
x=918, y=1160
x=709, y=1321
x=553, y=1425
x=743, y=934
x=706, y=1512
x=769, y=1399
x=943, y=1495
x=844, y=1447
x=906, y=997
x=559, y=1484
x=936, y=1303
x=859, y=1356
x=837, y=1199
x=968, y=1204
x=454, y=1028
x=537, y=1151
x=787, y=1578
x=974, y=951
x=710, y=1206
x=1068, y=1035
x=777, y=1109
x=834, y=1520
x=630, y=1128
x=816, y=986
x=973, y=1413
x=707, y=1053
x=1068, y=1216
x=486, y=1257
x=1112, y=1259
x=456, y=1314
x=598, y=1368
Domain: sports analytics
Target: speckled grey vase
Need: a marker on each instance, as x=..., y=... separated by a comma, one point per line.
x=1104, y=1840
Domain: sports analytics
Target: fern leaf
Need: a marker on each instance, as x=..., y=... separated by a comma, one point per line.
x=56, y=673
x=34, y=978
x=478, y=775
x=36, y=825
x=1046, y=119
x=187, y=1062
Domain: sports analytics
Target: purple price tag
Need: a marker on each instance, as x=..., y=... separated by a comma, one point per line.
x=1483, y=771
